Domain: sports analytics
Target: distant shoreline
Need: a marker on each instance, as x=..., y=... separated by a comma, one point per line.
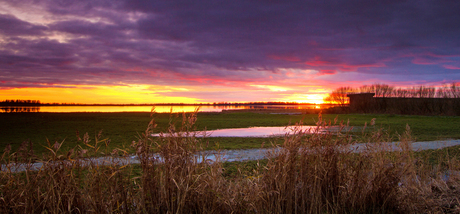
x=162, y=104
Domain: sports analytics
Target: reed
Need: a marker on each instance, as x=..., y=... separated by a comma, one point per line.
x=308, y=173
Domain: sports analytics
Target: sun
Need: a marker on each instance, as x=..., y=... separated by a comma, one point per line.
x=307, y=98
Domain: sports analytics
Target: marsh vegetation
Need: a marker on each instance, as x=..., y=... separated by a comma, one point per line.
x=123, y=128
x=310, y=173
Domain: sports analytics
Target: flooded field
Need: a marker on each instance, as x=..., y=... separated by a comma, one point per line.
x=262, y=131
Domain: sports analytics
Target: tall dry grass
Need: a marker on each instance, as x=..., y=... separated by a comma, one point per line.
x=309, y=173
x=319, y=174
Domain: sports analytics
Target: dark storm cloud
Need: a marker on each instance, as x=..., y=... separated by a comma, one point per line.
x=213, y=42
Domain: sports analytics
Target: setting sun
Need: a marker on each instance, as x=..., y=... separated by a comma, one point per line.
x=306, y=98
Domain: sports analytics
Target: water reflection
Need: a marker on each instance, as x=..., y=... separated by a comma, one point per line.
x=19, y=109
x=159, y=109
x=261, y=131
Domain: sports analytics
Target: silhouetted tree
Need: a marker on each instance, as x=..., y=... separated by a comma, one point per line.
x=339, y=96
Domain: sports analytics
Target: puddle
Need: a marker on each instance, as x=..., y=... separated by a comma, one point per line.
x=262, y=131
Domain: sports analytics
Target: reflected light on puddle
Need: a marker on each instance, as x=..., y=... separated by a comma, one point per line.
x=259, y=131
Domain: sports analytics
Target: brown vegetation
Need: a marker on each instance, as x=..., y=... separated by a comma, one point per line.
x=309, y=174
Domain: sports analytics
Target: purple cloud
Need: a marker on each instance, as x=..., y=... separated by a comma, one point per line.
x=229, y=43
x=11, y=26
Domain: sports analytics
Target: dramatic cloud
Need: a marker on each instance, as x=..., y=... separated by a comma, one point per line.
x=228, y=45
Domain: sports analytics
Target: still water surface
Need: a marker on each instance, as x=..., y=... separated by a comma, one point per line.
x=159, y=109
x=262, y=131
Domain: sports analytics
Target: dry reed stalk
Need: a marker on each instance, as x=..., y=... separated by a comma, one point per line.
x=309, y=173
x=316, y=174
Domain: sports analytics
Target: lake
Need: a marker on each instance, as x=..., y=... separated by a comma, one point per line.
x=159, y=109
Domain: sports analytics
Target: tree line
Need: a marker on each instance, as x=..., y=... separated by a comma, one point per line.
x=339, y=95
x=20, y=103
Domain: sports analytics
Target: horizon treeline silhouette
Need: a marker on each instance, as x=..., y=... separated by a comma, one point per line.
x=20, y=102
x=384, y=90
x=339, y=95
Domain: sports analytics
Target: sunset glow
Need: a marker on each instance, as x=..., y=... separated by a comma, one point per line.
x=135, y=94
x=307, y=98
x=235, y=51
x=139, y=94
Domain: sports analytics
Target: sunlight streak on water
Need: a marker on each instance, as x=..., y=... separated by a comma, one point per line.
x=158, y=109
x=260, y=131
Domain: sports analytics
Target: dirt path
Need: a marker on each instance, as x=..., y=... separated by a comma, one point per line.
x=224, y=155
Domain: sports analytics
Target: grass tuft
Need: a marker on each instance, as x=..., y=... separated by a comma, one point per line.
x=307, y=173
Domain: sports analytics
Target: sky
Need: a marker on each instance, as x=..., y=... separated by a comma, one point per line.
x=144, y=51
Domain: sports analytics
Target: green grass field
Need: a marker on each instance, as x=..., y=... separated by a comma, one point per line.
x=123, y=128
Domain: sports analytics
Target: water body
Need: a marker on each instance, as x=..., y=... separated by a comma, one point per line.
x=159, y=109
x=261, y=131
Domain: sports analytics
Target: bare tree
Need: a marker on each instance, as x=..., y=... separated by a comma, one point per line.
x=339, y=96
x=443, y=92
x=455, y=90
x=424, y=92
x=452, y=91
x=382, y=90
x=401, y=93
x=367, y=89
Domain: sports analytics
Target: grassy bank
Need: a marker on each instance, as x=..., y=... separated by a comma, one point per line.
x=311, y=174
x=123, y=128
